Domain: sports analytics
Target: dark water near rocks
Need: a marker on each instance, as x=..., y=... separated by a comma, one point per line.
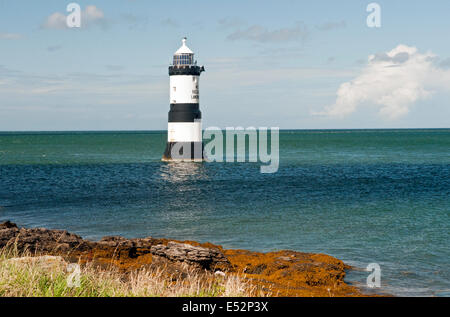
x=360, y=195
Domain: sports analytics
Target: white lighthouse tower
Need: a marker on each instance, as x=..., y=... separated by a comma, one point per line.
x=184, y=131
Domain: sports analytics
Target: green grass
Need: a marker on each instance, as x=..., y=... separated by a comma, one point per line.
x=27, y=277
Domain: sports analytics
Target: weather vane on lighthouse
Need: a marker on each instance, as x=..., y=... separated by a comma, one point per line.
x=184, y=133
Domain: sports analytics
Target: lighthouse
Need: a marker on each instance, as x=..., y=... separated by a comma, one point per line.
x=184, y=133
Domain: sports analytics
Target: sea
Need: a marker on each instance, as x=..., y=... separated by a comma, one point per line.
x=363, y=196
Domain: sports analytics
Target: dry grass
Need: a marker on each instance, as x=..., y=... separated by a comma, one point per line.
x=28, y=278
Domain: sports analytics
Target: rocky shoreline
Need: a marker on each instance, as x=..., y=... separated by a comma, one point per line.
x=281, y=273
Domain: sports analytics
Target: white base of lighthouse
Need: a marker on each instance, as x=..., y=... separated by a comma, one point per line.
x=184, y=132
x=184, y=142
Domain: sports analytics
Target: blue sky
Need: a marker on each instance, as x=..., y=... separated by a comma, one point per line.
x=289, y=64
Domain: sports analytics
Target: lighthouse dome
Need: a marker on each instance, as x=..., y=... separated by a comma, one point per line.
x=184, y=55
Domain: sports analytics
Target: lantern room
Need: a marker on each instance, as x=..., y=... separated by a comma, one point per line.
x=184, y=56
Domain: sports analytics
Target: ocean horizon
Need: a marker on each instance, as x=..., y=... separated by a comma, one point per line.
x=165, y=130
x=361, y=195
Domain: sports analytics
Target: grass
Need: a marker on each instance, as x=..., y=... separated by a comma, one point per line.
x=22, y=276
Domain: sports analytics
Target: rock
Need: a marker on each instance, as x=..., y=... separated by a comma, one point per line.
x=115, y=241
x=59, y=242
x=46, y=262
x=40, y=239
x=258, y=269
x=7, y=225
x=118, y=241
x=145, y=242
x=179, y=252
x=285, y=258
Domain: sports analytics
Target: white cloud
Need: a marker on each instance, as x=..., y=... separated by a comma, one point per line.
x=55, y=21
x=54, y=48
x=393, y=81
x=258, y=33
x=10, y=36
x=90, y=15
x=331, y=26
x=136, y=86
x=233, y=22
x=170, y=22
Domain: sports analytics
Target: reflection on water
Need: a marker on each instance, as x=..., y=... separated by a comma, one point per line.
x=176, y=172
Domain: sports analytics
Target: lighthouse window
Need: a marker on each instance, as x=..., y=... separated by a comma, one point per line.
x=183, y=59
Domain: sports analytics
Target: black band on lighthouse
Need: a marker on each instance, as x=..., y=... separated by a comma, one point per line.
x=184, y=112
x=186, y=70
x=184, y=107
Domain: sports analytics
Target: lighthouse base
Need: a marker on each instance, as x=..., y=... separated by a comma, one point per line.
x=184, y=152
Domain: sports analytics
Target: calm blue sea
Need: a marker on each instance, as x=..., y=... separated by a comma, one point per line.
x=362, y=196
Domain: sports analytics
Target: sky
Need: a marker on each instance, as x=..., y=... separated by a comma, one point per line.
x=287, y=64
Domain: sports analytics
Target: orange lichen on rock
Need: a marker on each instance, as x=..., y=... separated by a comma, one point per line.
x=282, y=273
x=289, y=273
